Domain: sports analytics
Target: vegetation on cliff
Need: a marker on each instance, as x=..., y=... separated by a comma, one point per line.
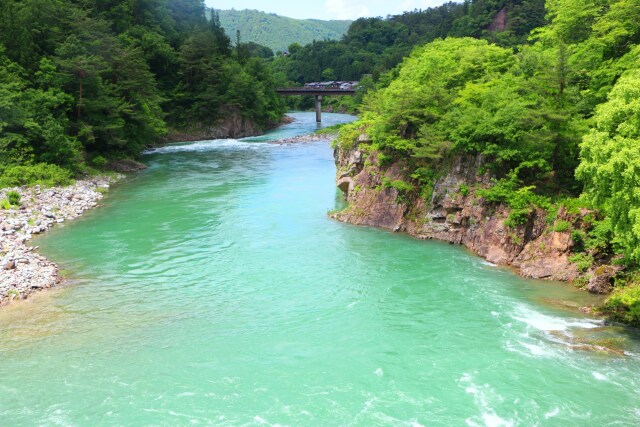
x=84, y=82
x=557, y=120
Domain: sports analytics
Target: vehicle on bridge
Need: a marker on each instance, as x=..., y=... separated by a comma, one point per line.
x=320, y=89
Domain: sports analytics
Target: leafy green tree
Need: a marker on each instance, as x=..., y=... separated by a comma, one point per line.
x=33, y=126
x=610, y=164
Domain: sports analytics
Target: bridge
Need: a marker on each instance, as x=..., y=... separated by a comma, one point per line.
x=314, y=89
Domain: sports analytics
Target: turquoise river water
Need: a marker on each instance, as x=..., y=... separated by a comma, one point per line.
x=212, y=289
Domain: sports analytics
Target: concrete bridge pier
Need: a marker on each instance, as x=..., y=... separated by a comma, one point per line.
x=318, y=93
x=318, y=108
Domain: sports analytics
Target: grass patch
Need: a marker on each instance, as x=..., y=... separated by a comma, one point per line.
x=329, y=130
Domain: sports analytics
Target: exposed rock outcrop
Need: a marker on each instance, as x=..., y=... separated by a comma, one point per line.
x=455, y=213
x=126, y=166
x=232, y=125
x=499, y=22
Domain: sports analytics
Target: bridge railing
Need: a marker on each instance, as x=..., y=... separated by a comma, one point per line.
x=311, y=91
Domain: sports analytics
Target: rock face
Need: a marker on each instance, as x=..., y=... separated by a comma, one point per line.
x=126, y=166
x=499, y=22
x=453, y=213
x=22, y=270
x=233, y=125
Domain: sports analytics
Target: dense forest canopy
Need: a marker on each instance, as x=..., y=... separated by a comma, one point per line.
x=90, y=80
x=376, y=45
x=278, y=32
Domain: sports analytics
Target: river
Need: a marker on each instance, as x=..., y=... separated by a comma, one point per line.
x=212, y=289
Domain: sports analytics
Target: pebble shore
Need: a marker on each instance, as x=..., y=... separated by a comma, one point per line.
x=307, y=138
x=22, y=270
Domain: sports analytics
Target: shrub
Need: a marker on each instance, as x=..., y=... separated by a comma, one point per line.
x=552, y=214
x=624, y=304
x=99, y=161
x=426, y=192
x=601, y=236
x=522, y=201
x=464, y=190
x=582, y=261
x=4, y=204
x=41, y=174
x=578, y=237
x=581, y=281
x=14, y=198
x=572, y=205
x=398, y=184
x=384, y=159
x=562, y=225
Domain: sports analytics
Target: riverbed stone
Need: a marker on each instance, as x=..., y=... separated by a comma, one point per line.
x=22, y=269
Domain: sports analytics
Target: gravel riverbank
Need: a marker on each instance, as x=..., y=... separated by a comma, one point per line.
x=307, y=138
x=22, y=269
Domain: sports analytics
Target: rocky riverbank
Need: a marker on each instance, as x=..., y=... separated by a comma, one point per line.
x=453, y=212
x=22, y=270
x=313, y=137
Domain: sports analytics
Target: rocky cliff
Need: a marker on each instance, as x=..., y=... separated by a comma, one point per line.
x=455, y=213
x=232, y=125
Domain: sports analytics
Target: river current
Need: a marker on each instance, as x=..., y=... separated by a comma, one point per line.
x=213, y=289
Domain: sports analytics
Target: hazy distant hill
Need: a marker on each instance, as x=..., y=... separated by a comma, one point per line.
x=278, y=32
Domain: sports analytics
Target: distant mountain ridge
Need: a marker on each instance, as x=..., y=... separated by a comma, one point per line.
x=278, y=32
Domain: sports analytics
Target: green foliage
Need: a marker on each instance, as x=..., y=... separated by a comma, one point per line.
x=41, y=174
x=624, y=303
x=521, y=200
x=601, y=236
x=278, y=32
x=330, y=129
x=14, y=198
x=610, y=157
x=99, y=161
x=561, y=226
x=82, y=79
x=464, y=190
x=579, y=239
x=348, y=135
x=582, y=260
x=373, y=46
x=398, y=184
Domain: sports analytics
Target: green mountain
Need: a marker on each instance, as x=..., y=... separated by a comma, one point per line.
x=278, y=32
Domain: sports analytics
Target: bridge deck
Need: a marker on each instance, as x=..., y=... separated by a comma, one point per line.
x=318, y=93
x=302, y=91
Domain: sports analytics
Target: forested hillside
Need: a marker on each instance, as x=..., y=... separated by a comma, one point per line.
x=278, y=32
x=555, y=121
x=376, y=45
x=84, y=82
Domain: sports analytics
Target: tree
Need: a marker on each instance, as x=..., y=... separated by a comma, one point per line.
x=610, y=166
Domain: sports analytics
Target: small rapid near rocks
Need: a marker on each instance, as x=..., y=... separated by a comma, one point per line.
x=213, y=289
